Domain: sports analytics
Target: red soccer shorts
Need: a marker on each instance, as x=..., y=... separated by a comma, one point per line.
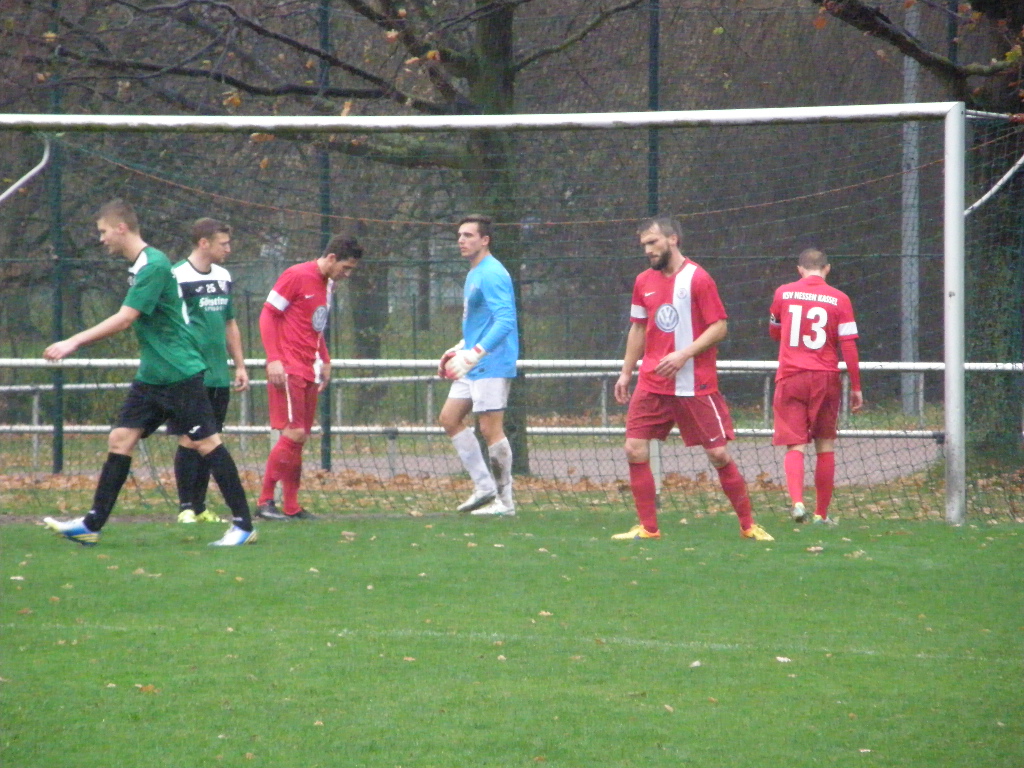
x=806, y=407
x=294, y=405
x=702, y=419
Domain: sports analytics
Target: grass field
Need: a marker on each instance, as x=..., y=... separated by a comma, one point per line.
x=446, y=641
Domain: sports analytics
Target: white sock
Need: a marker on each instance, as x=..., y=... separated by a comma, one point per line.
x=501, y=466
x=468, y=448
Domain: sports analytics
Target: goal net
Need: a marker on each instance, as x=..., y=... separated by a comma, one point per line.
x=751, y=188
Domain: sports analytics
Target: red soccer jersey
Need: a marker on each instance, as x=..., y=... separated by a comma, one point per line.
x=677, y=310
x=296, y=314
x=813, y=317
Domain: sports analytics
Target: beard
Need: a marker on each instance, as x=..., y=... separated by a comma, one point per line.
x=660, y=261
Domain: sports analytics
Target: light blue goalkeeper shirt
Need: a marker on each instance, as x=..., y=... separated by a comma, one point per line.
x=489, y=319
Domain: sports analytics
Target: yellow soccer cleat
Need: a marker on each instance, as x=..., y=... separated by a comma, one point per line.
x=186, y=516
x=636, y=532
x=757, y=533
x=207, y=516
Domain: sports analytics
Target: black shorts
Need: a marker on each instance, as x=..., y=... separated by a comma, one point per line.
x=220, y=397
x=184, y=406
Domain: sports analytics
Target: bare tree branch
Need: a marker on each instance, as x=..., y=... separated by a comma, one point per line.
x=871, y=20
x=570, y=41
x=120, y=65
x=386, y=88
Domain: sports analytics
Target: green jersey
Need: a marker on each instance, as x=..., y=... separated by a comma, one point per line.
x=167, y=351
x=207, y=297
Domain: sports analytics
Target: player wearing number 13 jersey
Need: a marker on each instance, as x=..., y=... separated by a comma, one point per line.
x=812, y=321
x=677, y=319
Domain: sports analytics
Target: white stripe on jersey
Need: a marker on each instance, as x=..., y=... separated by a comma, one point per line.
x=275, y=299
x=848, y=329
x=718, y=416
x=681, y=300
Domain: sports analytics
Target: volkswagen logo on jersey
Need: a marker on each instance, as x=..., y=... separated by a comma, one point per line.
x=666, y=318
x=320, y=319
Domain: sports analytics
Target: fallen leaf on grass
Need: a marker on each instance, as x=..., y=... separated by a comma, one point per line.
x=545, y=613
x=318, y=722
x=501, y=658
x=694, y=664
x=408, y=658
x=25, y=611
x=17, y=578
x=147, y=688
x=669, y=708
x=783, y=659
x=313, y=570
x=815, y=550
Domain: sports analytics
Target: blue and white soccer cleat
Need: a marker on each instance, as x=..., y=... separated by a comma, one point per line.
x=74, y=530
x=235, y=537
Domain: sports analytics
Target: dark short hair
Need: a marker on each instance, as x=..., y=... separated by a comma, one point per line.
x=812, y=258
x=120, y=211
x=668, y=226
x=343, y=246
x=206, y=228
x=483, y=223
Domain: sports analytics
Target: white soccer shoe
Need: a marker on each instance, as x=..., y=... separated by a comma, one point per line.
x=235, y=537
x=477, y=500
x=496, y=508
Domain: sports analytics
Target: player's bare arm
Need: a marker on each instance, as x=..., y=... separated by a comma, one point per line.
x=670, y=364
x=636, y=341
x=119, y=321
x=234, y=342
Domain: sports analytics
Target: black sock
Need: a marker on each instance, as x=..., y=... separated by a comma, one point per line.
x=112, y=477
x=224, y=471
x=186, y=475
x=201, y=485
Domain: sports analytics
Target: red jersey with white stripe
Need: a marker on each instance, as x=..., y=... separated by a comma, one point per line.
x=677, y=309
x=296, y=312
x=813, y=318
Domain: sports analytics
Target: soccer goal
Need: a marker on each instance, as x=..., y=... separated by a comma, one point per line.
x=751, y=188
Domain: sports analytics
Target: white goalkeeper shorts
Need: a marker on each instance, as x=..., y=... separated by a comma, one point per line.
x=486, y=394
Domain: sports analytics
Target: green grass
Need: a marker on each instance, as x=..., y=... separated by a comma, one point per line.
x=444, y=641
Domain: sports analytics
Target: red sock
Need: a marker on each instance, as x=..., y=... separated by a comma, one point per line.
x=793, y=464
x=824, y=482
x=270, y=476
x=735, y=488
x=645, y=496
x=290, y=472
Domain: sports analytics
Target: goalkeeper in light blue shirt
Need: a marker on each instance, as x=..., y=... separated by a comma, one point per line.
x=481, y=367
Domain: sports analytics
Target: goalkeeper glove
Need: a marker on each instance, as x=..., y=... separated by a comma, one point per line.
x=463, y=360
x=448, y=355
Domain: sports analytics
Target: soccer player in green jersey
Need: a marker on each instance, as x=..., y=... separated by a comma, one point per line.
x=206, y=290
x=168, y=386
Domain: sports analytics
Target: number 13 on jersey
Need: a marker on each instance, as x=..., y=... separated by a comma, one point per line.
x=817, y=317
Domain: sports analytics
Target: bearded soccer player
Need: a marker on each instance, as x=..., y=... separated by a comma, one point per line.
x=167, y=388
x=677, y=320
x=292, y=326
x=482, y=366
x=206, y=290
x=812, y=321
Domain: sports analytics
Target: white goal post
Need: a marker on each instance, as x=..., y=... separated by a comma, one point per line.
x=953, y=115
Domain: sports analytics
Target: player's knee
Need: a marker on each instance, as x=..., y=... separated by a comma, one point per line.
x=636, y=452
x=718, y=457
